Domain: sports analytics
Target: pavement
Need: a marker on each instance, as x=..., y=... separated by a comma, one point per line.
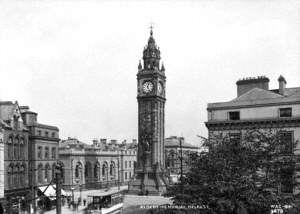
x=129, y=200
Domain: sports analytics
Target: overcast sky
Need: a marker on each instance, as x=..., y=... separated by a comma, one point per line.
x=75, y=62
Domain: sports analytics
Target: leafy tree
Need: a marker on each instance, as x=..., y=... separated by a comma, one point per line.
x=240, y=174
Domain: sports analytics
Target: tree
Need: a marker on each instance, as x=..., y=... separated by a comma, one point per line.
x=240, y=174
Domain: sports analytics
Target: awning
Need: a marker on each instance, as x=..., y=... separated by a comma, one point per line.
x=51, y=191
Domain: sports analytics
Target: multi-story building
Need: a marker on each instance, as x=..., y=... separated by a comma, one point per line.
x=260, y=108
x=98, y=165
x=174, y=148
x=1, y=172
x=15, y=138
x=43, y=150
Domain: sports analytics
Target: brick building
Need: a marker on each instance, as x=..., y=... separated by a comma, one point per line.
x=258, y=107
x=43, y=150
x=16, y=164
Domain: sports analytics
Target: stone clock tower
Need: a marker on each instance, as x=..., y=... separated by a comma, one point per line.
x=151, y=92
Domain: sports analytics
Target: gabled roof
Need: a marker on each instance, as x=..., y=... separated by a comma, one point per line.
x=257, y=94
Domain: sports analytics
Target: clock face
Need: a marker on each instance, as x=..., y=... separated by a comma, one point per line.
x=147, y=87
x=159, y=88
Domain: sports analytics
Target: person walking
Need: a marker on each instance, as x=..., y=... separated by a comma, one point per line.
x=84, y=202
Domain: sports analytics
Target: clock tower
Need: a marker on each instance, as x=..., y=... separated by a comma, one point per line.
x=151, y=96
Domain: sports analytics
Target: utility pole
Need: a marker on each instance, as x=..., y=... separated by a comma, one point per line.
x=58, y=189
x=118, y=170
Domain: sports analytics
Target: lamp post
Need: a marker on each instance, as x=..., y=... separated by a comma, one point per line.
x=58, y=188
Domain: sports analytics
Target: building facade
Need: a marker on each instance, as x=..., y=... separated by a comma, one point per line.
x=16, y=164
x=258, y=107
x=96, y=166
x=43, y=150
x=175, y=148
x=1, y=171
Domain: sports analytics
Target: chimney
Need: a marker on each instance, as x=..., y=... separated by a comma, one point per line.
x=95, y=142
x=282, y=84
x=103, y=141
x=246, y=84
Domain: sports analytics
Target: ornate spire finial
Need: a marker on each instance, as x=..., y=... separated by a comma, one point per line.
x=151, y=29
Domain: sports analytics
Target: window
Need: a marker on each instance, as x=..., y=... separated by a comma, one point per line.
x=53, y=134
x=40, y=150
x=129, y=164
x=129, y=174
x=46, y=152
x=16, y=148
x=9, y=148
x=39, y=133
x=40, y=173
x=125, y=175
x=125, y=164
x=53, y=153
x=285, y=112
x=234, y=115
x=46, y=134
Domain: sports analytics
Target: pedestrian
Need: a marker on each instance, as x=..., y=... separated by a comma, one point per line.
x=84, y=202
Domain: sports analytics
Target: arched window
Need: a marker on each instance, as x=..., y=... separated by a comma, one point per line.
x=112, y=169
x=10, y=176
x=22, y=175
x=16, y=175
x=78, y=172
x=40, y=173
x=16, y=148
x=10, y=148
x=96, y=171
x=22, y=146
x=104, y=170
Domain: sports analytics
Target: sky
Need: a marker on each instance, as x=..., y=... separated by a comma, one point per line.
x=75, y=62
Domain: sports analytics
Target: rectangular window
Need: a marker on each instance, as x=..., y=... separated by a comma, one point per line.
x=125, y=164
x=125, y=175
x=40, y=150
x=46, y=134
x=285, y=112
x=39, y=133
x=46, y=152
x=53, y=134
x=53, y=153
x=129, y=164
x=234, y=115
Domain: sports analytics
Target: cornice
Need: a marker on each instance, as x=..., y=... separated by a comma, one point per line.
x=260, y=123
x=35, y=137
x=293, y=102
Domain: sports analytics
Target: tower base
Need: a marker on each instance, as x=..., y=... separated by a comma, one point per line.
x=148, y=183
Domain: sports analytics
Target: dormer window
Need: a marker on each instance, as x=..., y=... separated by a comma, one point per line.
x=285, y=112
x=234, y=115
